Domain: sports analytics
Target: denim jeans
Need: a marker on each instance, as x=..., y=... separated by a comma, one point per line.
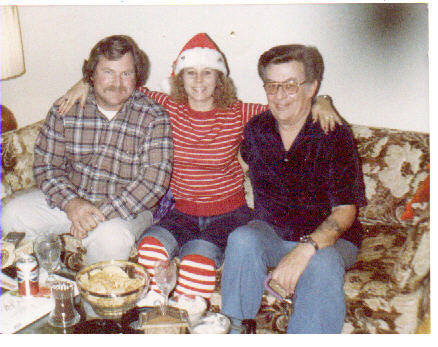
x=319, y=300
x=182, y=234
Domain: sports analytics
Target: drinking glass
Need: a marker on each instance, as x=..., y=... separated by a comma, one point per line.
x=64, y=313
x=48, y=251
x=165, y=278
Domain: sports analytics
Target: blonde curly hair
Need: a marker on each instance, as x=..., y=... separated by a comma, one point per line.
x=224, y=94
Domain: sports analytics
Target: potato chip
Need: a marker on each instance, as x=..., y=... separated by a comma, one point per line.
x=110, y=280
x=115, y=270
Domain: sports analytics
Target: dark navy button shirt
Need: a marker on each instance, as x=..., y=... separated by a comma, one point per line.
x=295, y=190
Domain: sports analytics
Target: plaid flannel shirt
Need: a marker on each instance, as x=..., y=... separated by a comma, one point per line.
x=122, y=166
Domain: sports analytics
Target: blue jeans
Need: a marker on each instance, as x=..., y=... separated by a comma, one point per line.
x=182, y=234
x=319, y=300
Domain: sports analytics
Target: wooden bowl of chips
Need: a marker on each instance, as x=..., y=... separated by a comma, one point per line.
x=112, y=287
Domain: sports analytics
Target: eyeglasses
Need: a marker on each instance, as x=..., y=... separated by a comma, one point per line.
x=291, y=88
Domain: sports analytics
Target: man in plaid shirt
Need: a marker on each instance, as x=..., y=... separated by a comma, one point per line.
x=102, y=169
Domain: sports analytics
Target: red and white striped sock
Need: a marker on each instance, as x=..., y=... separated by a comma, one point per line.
x=197, y=276
x=150, y=250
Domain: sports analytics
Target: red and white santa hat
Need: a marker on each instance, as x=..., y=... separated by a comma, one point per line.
x=200, y=50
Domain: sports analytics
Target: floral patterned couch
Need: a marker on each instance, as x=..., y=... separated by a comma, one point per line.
x=388, y=289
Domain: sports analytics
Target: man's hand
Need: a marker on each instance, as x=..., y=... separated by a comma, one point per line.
x=291, y=267
x=78, y=234
x=84, y=217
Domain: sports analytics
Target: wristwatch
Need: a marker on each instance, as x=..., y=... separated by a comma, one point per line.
x=308, y=239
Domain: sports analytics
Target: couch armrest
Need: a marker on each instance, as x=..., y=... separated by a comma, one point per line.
x=387, y=290
x=413, y=263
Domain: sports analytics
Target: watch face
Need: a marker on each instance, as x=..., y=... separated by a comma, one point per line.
x=308, y=239
x=304, y=238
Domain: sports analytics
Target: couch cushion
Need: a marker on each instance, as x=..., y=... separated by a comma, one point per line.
x=385, y=288
x=394, y=162
x=386, y=311
x=19, y=144
x=273, y=315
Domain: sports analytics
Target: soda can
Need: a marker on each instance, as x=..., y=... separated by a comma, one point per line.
x=27, y=275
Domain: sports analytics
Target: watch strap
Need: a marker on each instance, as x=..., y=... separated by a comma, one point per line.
x=308, y=239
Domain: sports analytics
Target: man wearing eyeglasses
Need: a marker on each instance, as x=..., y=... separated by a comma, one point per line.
x=307, y=187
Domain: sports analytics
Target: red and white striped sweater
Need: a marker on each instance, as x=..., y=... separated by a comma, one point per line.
x=207, y=178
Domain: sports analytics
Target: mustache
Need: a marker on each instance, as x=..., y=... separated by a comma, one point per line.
x=115, y=89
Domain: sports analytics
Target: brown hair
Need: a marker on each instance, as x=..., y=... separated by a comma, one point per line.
x=113, y=48
x=307, y=55
x=224, y=94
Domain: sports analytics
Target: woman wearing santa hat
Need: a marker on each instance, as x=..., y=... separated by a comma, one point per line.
x=207, y=179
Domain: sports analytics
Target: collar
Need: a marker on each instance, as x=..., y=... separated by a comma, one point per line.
x=309, y=128
x=93, y=101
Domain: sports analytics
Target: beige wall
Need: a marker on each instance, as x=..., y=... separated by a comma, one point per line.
x=376, y=60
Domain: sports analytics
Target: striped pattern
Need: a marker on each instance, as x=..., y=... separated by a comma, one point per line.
x=149, y=251
x=197, y=276
x=123, y=165
x=206, y=171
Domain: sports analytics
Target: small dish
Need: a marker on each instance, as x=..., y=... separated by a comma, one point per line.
x=211, y=323
x=195, y=306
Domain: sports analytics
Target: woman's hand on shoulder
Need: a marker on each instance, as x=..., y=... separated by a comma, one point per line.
x=324, y=112
x=78, y=92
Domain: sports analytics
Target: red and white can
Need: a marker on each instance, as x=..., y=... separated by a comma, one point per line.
x=27, y=275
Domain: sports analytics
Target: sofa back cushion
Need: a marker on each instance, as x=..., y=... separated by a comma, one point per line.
x=394, y=163
x=18, y=145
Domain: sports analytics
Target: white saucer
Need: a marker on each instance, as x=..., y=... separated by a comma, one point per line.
x=212, y=323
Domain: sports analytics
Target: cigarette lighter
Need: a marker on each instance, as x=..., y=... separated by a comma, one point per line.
x=275, y=289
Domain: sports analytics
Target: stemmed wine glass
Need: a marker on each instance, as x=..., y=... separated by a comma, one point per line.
x=165, y=278
x=48, y=251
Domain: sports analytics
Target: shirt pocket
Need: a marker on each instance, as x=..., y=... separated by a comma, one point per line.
x=82, y=145
x=128, y=159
